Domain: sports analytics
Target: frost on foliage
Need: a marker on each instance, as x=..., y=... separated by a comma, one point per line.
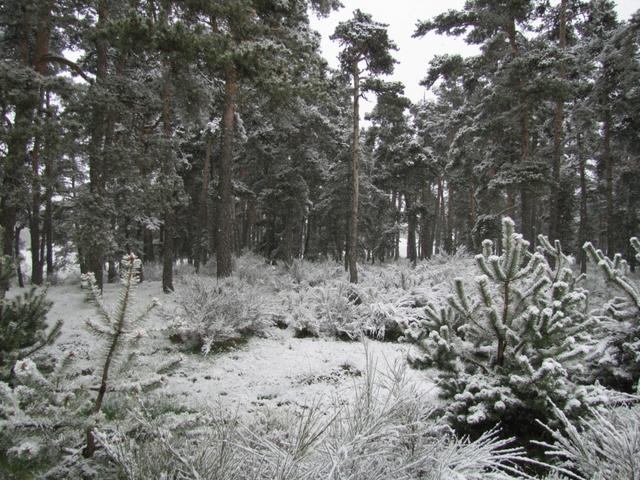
x=514, y=342
x=606, y=446
x=40, y=416
x=617, y=357
x=211, y=315
x=386, y=431
x=118, y=328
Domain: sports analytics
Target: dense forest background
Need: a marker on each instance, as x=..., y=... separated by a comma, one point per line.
x=189, y=129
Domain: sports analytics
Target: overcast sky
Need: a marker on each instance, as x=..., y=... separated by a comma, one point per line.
x=414, y=53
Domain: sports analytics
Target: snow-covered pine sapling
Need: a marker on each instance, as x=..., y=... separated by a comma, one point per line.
x=506, y=348
x=617, y=360
x=503, y=272
x=117, y=328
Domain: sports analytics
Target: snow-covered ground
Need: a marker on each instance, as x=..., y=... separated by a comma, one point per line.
x=276, y=371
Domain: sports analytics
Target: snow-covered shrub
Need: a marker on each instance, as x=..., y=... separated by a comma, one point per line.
x=313, y=274
x=513, y=345
x=23, y=327
x=617, y=358
x=253, y=270
x=386, y=432
x=604, y=446
x=212, y=314
x=39, y=417
x=331, y=310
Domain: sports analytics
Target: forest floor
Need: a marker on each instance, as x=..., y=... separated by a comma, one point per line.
x=263, y=373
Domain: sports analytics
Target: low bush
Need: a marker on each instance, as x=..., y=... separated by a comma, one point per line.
x=211, y=314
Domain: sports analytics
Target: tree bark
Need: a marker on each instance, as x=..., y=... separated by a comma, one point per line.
x=448, y=240
x=582, y=229
x=558, y=137
x=411, y=230
x=608, y=161
x=17, y=259
x=204, y=227
x=355, y=174
x=426, y=239
x=49, y=175
x=17, y=142
x=224, y=243
x=526, y=205
x=168, y=245
x=94, y=252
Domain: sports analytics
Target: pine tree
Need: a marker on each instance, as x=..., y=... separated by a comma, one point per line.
x=363, y=41
x=515, y=344
x=118, y=328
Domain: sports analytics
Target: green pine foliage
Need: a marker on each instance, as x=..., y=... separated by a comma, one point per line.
x=40, y=416
x=515, y=344
x=118, y=328
x=23, y=327
x=617, y=360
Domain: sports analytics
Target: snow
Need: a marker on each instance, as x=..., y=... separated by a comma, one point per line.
x=276, y=371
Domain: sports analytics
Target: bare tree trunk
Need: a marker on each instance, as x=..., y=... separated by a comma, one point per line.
x=49, y=175
x=426, y=240
x=525, y=190
x=555, y=213
x=18, y=140
x=168, y=245
x=94, y=252
x=204, y=227
x=448, y=240
x=34, y=214
x=582, y=229
x=17, y=259
x=355, y=173
x=439, y=216
x=411, y=230
x=224, y=244
x=608, y=160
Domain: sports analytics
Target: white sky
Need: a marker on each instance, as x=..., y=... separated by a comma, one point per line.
x=413, y=54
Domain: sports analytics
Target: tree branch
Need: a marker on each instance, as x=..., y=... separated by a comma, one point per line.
x=51, y=58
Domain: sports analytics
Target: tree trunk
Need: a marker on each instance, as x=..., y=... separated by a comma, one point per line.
x=426, y=240
x=204, y=227
x=34, y=214
x=17, y=142
x=439, y=216
x=355, y=174
x=94, y=251
x=17, y=259
x=224, y=243
x=168, y=245
x=41, y=50
x=448, y=239
x=525, y=189
x=49, y=175
x=582, y=229
x=411, y=230
x=608, y=161
x=555, y=213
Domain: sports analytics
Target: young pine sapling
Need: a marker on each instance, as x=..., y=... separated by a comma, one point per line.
x=117, y=328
